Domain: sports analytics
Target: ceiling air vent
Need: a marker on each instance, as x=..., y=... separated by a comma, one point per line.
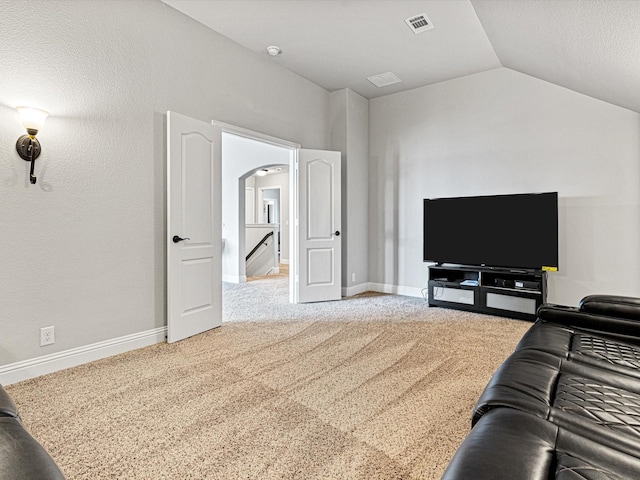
x=384, y=79
x=419, y=23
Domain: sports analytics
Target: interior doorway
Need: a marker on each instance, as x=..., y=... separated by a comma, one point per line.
x=245, y=153
x=314, y=208
x=269, y=202
x=267, y=195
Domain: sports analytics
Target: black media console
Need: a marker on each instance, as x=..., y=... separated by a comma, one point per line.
x=503, y=292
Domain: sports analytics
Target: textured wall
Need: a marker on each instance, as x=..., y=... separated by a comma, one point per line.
x=505, y=132
x=349, y=128
x=83, y=249
x=357, y=192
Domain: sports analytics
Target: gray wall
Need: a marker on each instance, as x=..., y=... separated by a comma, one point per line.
x=505, y=132
x=84, y=248
x=349, y=129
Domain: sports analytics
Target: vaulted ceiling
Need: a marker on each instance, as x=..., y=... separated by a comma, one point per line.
x=590, y=46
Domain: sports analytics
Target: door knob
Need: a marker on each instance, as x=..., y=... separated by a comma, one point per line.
x=177, y=239
x=337, y=234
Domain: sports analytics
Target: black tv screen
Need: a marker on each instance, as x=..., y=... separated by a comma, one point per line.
x=508, y=231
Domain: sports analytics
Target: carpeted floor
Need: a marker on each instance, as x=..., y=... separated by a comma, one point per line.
x=370, y=387
x=267, y=298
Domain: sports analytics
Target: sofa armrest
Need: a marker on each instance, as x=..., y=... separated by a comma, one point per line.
x=22, y=457
x=612, y=306
x=505, y=445
x=619, y=327
x=7, y=406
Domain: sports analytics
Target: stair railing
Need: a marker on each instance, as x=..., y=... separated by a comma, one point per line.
x=255, y=249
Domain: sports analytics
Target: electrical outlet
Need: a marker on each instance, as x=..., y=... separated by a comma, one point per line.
x=47, y=336
x=353, y=277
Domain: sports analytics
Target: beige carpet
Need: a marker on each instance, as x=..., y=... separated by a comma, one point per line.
x=386, y=396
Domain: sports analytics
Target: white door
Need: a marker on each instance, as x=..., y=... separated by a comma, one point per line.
x=194, y=222
x=319, y=223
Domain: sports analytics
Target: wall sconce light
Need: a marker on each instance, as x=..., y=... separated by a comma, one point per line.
x=28, y=146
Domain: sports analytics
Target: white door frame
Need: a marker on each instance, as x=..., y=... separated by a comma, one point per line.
x=293, y=189
x=261, y=199
x=269, y=203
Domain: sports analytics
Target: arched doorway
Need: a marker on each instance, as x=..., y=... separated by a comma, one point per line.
x=267, y=213
x=242, y=156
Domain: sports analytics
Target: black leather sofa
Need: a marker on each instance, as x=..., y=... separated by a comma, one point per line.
x=21, y=456
x=566, y=404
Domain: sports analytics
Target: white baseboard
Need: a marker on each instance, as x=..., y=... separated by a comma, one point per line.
x=284, y=261
x=355, y=290
x=234, y=278
x=34, y=367
x=396, y=289
x=382, y=288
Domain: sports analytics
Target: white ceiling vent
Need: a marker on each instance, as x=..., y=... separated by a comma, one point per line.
x=419, y=23
x=384, y=79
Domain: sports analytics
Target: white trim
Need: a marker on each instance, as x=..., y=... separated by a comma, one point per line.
x=234, y=278
x=396, y=289
x=34, y=367
x=284, y=261
x=244, y=132
x=355, y=290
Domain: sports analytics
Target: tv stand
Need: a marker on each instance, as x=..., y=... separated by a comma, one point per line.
x=513, y=293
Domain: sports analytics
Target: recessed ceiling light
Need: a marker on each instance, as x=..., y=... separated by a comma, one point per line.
x=262, y=173
x=274, y=51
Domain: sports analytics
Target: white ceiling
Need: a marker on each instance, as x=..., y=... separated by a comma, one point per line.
x=339, y=43
x=590, y=46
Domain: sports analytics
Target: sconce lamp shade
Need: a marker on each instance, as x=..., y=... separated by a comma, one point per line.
x=32, y=118
x=28, y=146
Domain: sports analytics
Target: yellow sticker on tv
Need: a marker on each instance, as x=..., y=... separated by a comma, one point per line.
x=549, y=269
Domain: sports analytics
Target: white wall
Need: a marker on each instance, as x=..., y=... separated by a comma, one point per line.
x=505, y=132
x=281, y=180
x=250, y=200
x=84, y=248
x=349, y=129
x=240, y=158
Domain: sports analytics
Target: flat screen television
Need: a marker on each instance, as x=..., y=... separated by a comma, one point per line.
x=503, y=231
